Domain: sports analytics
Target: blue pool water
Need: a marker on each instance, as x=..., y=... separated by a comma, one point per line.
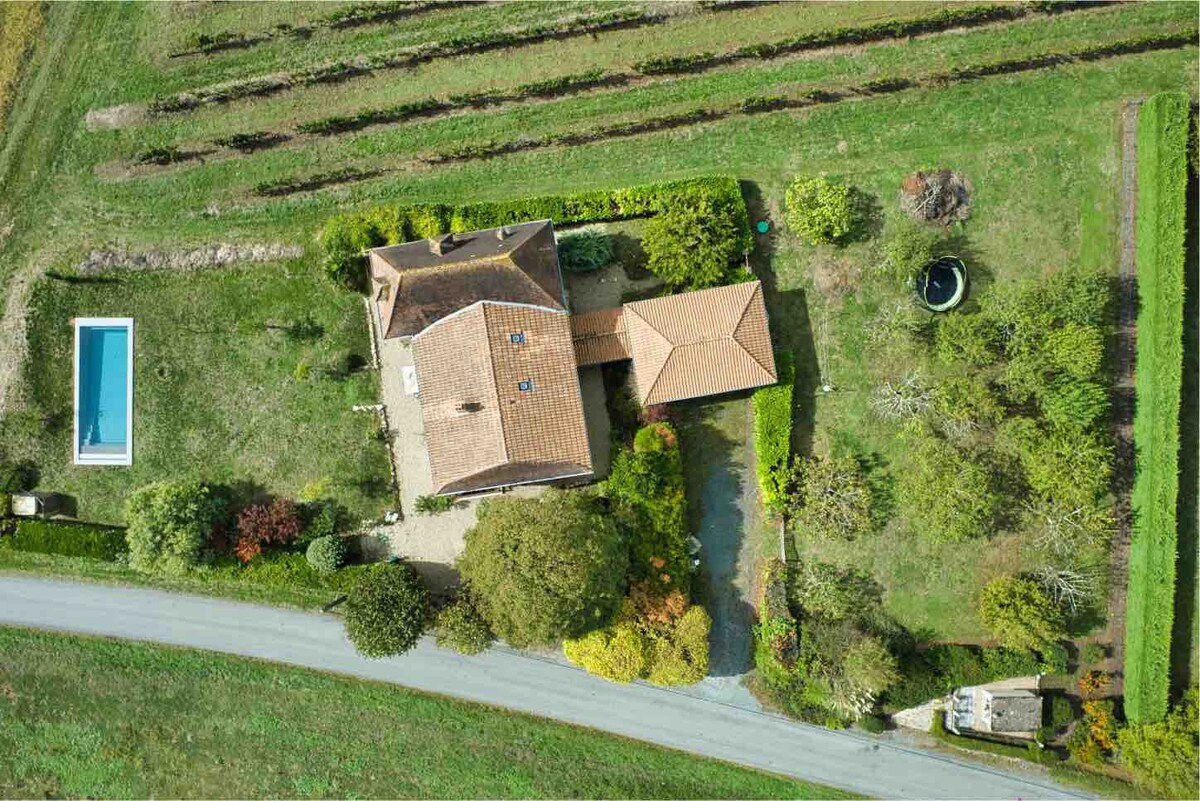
x=103, y=387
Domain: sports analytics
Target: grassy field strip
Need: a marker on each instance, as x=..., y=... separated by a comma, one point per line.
x=725, y=88
x=1161, y=220
x=342, y=19
x=682, y=33
x=495, y=75
x=19, y=27
x=760, y=148
x=89, y=717
x=788, y=102
x=287, y=54
x=609, y=81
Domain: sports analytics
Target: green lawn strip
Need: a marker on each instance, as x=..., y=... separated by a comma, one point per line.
x=221, y=583
x=535, y=125
x=1161, y=219
x=218, y=392
x=906, y=58
x=685, y=33
x=94, y=717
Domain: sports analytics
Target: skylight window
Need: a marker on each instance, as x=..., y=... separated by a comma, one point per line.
x=526, y=385
x=518, y=338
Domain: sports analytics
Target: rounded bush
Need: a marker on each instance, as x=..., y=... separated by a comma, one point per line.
x=462, y=628
x=585, y=250
x=326, y=554
x=819, y=210
x=387, y=610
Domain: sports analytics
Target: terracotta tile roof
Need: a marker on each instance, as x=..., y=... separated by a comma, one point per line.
x=700, y=343
x=417, y=286
x=484, y=425
x=599, y=337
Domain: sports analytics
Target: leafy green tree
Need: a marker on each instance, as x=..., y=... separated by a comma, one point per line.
x=387, y=610
x=542, y=569
x=819, y=210
x=943, y=493
x=616, y=653
x=169, y=525
x=908, y=248
x=868, y=665
x=965, y=403
x=1162, y=756
x=585, y=250
x=1075, y=349
x=1072, y=403
x=965, y=338
x=831, y=498
x=827, y=591
x=1020, y=614
x=694, y=243
x=1069, y=467
x=461, y=627
x=326, y=553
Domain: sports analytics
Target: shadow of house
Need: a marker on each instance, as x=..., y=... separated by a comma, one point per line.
x=716, y=470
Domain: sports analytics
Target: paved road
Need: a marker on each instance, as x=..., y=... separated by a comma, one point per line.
x=517, y=681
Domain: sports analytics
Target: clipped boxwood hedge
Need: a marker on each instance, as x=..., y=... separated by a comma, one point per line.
x=69, y=539
x=773, y=432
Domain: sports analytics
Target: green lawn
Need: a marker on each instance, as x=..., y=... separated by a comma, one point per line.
x=1040, y=148
x=97, y=718
x=217, y=394
x=1161, y=221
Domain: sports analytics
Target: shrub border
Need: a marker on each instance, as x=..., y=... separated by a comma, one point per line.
x=773, y=430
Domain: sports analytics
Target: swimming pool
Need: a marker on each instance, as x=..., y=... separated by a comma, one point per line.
x=104, y=390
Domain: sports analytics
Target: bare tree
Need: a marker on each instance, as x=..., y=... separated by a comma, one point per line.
x=1062, y=530
x=1066, y=586
x=905, y=400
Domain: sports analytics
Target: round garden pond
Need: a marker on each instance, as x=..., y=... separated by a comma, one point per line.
x=942, y=284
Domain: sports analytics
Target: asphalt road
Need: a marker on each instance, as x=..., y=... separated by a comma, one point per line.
x=516, y=681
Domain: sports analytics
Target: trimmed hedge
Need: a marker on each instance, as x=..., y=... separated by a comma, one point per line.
x=1162, y=140
x=70, y=539
x=346, y=237
x=773, y=433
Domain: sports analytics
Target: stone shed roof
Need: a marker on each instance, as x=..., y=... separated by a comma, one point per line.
x=1012, y=711
x=418, y=283
x=500, y=398
x=700, y=343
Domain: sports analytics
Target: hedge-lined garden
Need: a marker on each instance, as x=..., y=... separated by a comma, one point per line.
x=346, y=237
x=1162, y=142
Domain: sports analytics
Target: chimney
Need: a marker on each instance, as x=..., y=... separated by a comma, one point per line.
x=469, y=406
x=502, y=233
x=441, y=245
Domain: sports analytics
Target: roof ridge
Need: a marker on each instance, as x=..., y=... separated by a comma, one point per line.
x=529, y=279
x=487, y=335
x=737, y=325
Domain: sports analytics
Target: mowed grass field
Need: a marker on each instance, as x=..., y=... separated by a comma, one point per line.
x=96, y=718
x=1040, y=148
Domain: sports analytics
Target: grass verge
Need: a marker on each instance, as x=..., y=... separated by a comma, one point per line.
x=19, y=27
x=97, y=718
x=243, y=377
x=1161, y=220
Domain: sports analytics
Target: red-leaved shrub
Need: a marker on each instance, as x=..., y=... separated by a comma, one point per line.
x=276, y=523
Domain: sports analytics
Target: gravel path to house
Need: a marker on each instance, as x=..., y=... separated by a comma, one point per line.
x=718, y=462
x=672, y=718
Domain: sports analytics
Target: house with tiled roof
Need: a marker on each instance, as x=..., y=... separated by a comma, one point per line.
x=496, y=351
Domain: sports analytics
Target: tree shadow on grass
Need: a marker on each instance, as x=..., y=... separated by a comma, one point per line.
x=791, y=326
